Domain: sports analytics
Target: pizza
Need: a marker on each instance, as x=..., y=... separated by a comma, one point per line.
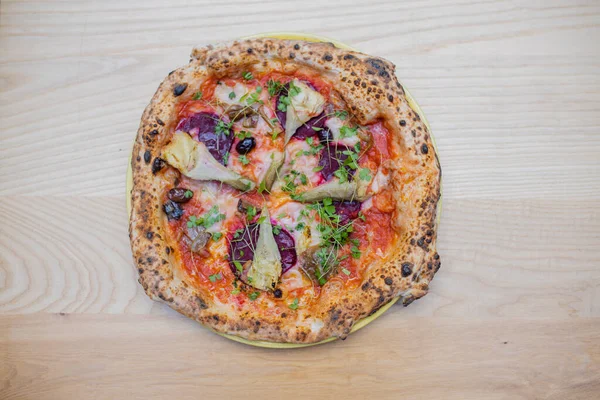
x=283, y=190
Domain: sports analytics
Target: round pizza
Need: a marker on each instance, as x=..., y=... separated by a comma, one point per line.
x=283, y=190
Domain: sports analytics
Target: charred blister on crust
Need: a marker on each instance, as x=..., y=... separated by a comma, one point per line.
x=369, y=102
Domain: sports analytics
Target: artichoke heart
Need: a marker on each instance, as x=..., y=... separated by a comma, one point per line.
x=194, y=160
x=335, y=190
x=304, y=105
x=278, y=158
x=266, y=265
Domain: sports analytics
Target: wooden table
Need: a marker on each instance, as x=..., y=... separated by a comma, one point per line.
x=512, y=91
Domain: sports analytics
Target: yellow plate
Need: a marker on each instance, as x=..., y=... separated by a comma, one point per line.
x=365, y=321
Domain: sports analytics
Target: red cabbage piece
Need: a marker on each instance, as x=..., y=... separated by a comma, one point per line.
x=332, y=158
x=242, y=248
x=203, y=126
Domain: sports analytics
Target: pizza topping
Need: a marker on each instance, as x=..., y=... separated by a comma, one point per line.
x=341, y=132
x=157, y=165
x=337, y=190
x=277, y=160
x=301, y=104
x=347, y=210
x=265, y=269
x=334, y=162
x=311, y=128
x=173, y=210
x=230, y=95
x=194, y=160
x=179, y=89
x=245, y=145
x=197, y=238
x=210, y=130
x=244, y=245
x=180, y=195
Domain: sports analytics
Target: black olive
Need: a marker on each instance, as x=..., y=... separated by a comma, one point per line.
x=178, y=195
x=246, y=145
x=173, y=210
x=325, y=135
x=179, y=89
x=157, y=165
x=277, y=293
x=406, y=269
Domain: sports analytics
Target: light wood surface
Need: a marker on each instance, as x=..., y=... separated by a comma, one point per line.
x=512, y=92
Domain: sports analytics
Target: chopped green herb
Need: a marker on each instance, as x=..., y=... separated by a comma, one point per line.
x=207, y=220
x=215, y=277
x=197, y=95
x=237, y=233
x=226, y=158
x=362, y=216
x=232, y=95
x=247, y=75
x=294, y=304
x=317, y=169
x=235, y=291
x=341, y=114
x=300, y=226
x=188, y=194
x=238, y=266
x=316, y=129
x=243, y=135
x=276, y=229
x=254, y=295
x=274, y=87
x=250, y=212
x=345, y=271
x=244, y=160
x=217, y=235
x=346, y=131
x=364, y=174
x=223, y=127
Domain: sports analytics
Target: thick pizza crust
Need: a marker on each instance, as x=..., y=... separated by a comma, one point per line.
x=370, y=89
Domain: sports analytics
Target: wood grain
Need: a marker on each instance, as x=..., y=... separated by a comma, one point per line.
x=512, y=92
x=76, y=356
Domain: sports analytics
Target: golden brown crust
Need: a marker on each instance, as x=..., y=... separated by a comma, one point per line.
x=370, y=88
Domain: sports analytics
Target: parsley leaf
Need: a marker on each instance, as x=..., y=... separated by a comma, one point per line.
x=215, y=277
x=254, y=295
x=207, y=220
x=341, y=114
x=244, y=160
x=250, y=212
x=217, y=235
x=188, y=194
x=238, y=266
x=274, y=87
x=223, y=127
x=346, y=131
x=232, y=95
x=364, y=174
x=276, y=229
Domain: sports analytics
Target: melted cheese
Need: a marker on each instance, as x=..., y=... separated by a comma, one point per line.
x=222, y=93
x=297, y=161
x=335, y=124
